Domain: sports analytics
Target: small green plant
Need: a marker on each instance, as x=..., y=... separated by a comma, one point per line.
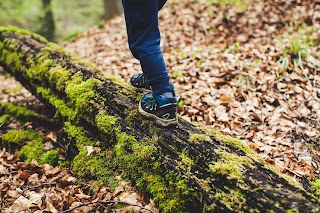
x=180, y=104
x=241, y=4
x=236, y=46
x=71, y=36
x=182, y=55
x=296, y=51
x=13, y=90
x=177, y=74
x=244, y=80
x=257, y=62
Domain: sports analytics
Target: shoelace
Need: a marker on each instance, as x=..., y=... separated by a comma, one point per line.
x=141, y=79
x=151, y=104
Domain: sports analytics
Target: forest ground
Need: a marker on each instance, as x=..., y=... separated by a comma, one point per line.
x=248, y=71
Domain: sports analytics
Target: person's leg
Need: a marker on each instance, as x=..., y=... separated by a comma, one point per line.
x=161, y=4
x=144, y=41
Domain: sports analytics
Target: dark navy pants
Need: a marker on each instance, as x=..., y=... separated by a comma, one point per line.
x=144, y=41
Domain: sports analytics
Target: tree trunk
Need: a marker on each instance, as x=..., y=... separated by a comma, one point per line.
x=184, y=168
x=111, y=8
x=48, y=27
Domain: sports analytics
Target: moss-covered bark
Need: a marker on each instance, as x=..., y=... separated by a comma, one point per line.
x=24, y=115
x=184, y=168
x=29, y=142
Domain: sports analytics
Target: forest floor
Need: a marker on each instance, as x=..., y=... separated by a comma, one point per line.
x=250, y=71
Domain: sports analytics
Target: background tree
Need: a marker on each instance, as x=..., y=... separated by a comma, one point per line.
x=48, y=26
x=112, y=8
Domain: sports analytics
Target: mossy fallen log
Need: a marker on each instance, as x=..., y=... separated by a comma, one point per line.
x=29, y=143
x=23, y=114
x=184, y=168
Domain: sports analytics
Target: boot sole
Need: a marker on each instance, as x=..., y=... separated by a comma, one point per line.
x=139, y=89
x=158, y=120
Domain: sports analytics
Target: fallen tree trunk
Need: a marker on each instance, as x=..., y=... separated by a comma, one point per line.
x=184, y=168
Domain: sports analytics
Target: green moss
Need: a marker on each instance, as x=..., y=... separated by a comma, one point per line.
x=208, y=208
x=13, y=138
x=39, y=67
x=123, y=140
x=10, y=56
x=131, y=94
x=230, y=165
x=232, y=199
x=290, y=180
x=294, y=210
x=3, y=119
x=82, y=94
x=13, y=29
x=186, y=162
x=93, y=167
x=32, y=146
x=64, y=164
x=131, y=116
x=84, y=166
x=315, y=185
x=151, y=127
x=62, y=110
x=59, y=77
x=105, y=122
x=21, y=113
x=119, y=82
x=198, y=138
x=1, y=45
x=32, y=150
x=78, y=134
x=236, y=143
x=242, y=146
x=50, y=46
x=140, y=163
x=49, y=157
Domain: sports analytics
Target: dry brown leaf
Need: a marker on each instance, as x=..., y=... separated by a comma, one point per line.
x=50, y=208
x=24, y=175
x=22, y=204
x=130, y=197
x=52, y=136
x=13, y=193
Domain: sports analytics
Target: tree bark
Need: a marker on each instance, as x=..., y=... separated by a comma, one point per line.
x=48, y=27
x=112, y=8
x=184, y=168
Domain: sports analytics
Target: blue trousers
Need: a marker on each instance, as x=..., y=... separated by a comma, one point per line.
x=144, y=41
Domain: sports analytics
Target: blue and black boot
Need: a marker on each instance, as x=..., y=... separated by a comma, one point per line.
x=139, y=83
x=161, y=108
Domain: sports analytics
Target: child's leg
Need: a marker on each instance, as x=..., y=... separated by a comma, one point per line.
x=144, y=41
x=161, y=4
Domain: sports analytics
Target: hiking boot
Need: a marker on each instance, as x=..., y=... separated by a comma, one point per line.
x=138, y=82
x=161, y=109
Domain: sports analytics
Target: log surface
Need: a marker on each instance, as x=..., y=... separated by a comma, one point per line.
x=184, y=168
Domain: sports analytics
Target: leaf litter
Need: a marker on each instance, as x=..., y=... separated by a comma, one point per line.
x=43, y=188
x=227, y=67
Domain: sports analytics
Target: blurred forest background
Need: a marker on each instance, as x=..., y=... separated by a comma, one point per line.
x=57, y=20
